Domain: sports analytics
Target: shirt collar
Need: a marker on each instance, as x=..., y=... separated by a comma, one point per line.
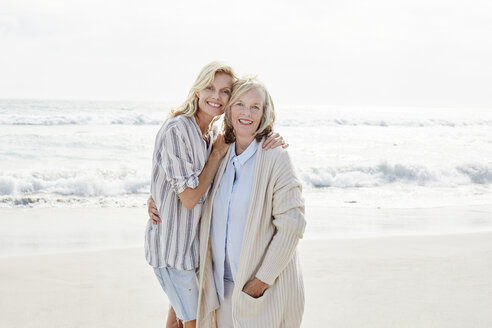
x=247, y=154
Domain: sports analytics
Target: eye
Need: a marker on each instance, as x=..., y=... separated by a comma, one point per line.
x=209, y=88
x=239, y=104
x=256, y=108
x=227, y=92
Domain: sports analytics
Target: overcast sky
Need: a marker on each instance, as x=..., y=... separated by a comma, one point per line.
x=435, y=53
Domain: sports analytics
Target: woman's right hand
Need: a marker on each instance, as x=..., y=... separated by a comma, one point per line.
x=153, y=211
x=220, y=147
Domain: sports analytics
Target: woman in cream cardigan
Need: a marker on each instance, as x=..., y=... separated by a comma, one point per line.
x=249, y=271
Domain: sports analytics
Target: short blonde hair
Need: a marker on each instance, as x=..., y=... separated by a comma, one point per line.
x=205, y=77
x=239, y=88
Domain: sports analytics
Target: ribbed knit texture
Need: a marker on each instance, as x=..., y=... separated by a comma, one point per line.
x=275, y=223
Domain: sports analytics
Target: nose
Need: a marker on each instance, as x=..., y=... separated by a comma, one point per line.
x=216, y=94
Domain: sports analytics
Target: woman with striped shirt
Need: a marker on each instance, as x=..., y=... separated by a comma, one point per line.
x=186, y=157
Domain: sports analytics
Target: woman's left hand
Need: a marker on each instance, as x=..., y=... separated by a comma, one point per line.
x=153, y=211
x=274, y=140
x=255, y=288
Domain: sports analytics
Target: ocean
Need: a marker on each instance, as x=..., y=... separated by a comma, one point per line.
x=81, y=153
x=366, y=172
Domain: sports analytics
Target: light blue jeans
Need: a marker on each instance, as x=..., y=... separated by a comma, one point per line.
x=181, y=287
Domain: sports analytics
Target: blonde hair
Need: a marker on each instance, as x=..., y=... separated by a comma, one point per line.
x=204, y=78
x=239, y=88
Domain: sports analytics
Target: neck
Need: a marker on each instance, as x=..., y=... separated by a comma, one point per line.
x=203, y=121
x=242, y=144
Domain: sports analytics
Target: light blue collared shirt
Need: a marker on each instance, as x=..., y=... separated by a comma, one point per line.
x=229, y=213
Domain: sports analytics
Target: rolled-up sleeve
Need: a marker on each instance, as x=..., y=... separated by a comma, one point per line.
x=177, y=161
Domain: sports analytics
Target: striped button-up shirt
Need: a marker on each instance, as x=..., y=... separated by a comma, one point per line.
x=180, y=154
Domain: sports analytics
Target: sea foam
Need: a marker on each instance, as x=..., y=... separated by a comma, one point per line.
x=155, y=118
x=112, y=183
x=83, y=119
x=385, y=173
x=88, y=183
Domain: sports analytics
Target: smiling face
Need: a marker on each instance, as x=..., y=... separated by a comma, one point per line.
x=246, y=114
x=213, y=99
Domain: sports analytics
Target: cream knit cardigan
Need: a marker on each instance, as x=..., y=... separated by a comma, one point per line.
x=274, y=225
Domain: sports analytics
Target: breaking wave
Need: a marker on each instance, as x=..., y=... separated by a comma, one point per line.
x=128, y=182
x=95, y=183
x=384, y=173
x=83, y=119
x=137, y=118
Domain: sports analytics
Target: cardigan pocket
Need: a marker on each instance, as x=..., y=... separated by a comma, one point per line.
x=250, y=308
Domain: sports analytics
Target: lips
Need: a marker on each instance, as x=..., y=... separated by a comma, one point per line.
x=213, y=104
x=245, y=121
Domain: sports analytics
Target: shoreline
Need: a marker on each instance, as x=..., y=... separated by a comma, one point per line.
x=61, y=230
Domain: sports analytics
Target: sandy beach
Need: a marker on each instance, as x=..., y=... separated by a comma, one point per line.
x=406, y=281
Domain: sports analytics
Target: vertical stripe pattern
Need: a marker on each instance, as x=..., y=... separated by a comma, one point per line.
x=180, y=154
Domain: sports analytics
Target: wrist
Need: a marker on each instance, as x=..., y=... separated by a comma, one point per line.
x=262, y=284
x=215, y=155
